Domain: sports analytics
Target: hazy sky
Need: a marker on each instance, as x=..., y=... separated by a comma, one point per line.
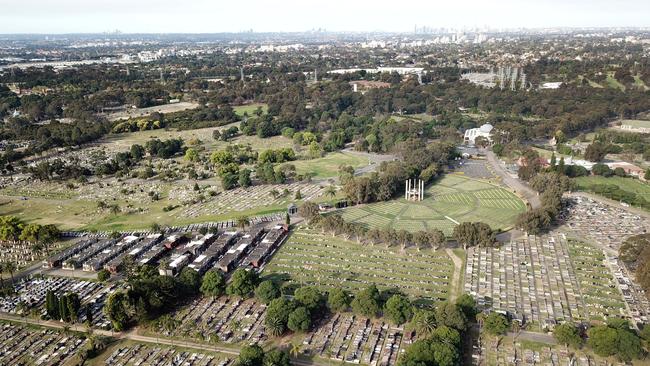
x=206, y=16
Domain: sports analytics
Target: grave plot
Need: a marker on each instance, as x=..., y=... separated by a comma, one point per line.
x=451, y=200
x=21, y=345
x=22, y=253
x=353, y=339
x=33, y=292
x=224, y=319
x=242, y=199
x=544, y=280
x=604, y=224
x=309, y=257
x=509, y=352
x=139, y=354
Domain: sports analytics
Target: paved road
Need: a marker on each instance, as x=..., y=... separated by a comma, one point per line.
x=534, y=337
x=374, y=159
x=513, y=183
x=132, y=335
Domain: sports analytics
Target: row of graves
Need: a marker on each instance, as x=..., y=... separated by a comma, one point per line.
x=634, y=296
x=604, y=224
x=507, y=352
x=539, y=281
x=353, y=339
x=221, y=319
x=140, y=354
x=20, y=345
x=242, y=199
x=33, y=291
x=23, y=253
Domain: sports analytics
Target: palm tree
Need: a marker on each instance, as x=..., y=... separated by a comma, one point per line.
x=274, y=193
x=330, y=191
x=11, y=268
x=275, y=326
x=294, y=350
x=242, y=222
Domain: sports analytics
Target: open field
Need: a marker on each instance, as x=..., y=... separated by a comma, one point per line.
x=54, y=203
x=123, y=141
x=141, y=112
x=311, y=258
x=250, y=108
x=626, y=184
x=451, y=200
x=328, y=166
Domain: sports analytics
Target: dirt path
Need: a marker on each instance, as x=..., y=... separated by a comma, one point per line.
x=455, y=278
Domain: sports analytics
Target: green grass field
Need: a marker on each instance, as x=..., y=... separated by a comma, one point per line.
x=250, y=108
x=451, y=200
x=309, y=257
x=626, y=184
x=124, y=141
x=328, y=166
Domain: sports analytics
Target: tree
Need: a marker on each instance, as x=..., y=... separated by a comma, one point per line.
x=423, y=322
x=398, y=309
x=267, y=291
x=338, y=300
x=568, y=335
x=309, y=211
x=242, y=222
x=496, y=324
x=251, y=355
x=277, y=315
x=467, y=305
x=192, y=155
x=330, y=191
x=11, y=268
x=103, y=275
x=310, y=297
x=450, y=315
x=118, y=310
x=190, y=281
x=367, y=302
x=277, y=357
x=243, y=283
x=299, y=320
x=596, y=151
x=30, y=232
x=473, y=234
x=615, y=338
x=244, y=179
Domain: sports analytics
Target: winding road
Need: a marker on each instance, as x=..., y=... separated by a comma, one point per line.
x=514, y=183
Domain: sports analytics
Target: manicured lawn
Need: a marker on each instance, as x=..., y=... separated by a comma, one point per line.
x=312, y=258
x=626, y=184
x=250, y=108
x=328, y=166
x=451, y=200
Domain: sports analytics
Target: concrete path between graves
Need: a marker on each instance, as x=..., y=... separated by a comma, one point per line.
x=456, y=276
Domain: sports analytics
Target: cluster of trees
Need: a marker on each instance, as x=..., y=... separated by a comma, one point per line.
x=65, y=308
x=615, y=338
x=440, y=333
x=551, y=186
x=471, y=234
x=254, y=355
x=12, y=229
x=418, y=160
x=228, y=165
x=335, y=225
x=149, y=295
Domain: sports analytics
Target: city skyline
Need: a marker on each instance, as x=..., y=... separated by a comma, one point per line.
x=165, y=16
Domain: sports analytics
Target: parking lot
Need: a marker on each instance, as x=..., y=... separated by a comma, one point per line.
x=354, y=339
x=20, y=345
x=139, y=354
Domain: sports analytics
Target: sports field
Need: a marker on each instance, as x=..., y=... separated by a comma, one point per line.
x=309, y=257
x=450, y=201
